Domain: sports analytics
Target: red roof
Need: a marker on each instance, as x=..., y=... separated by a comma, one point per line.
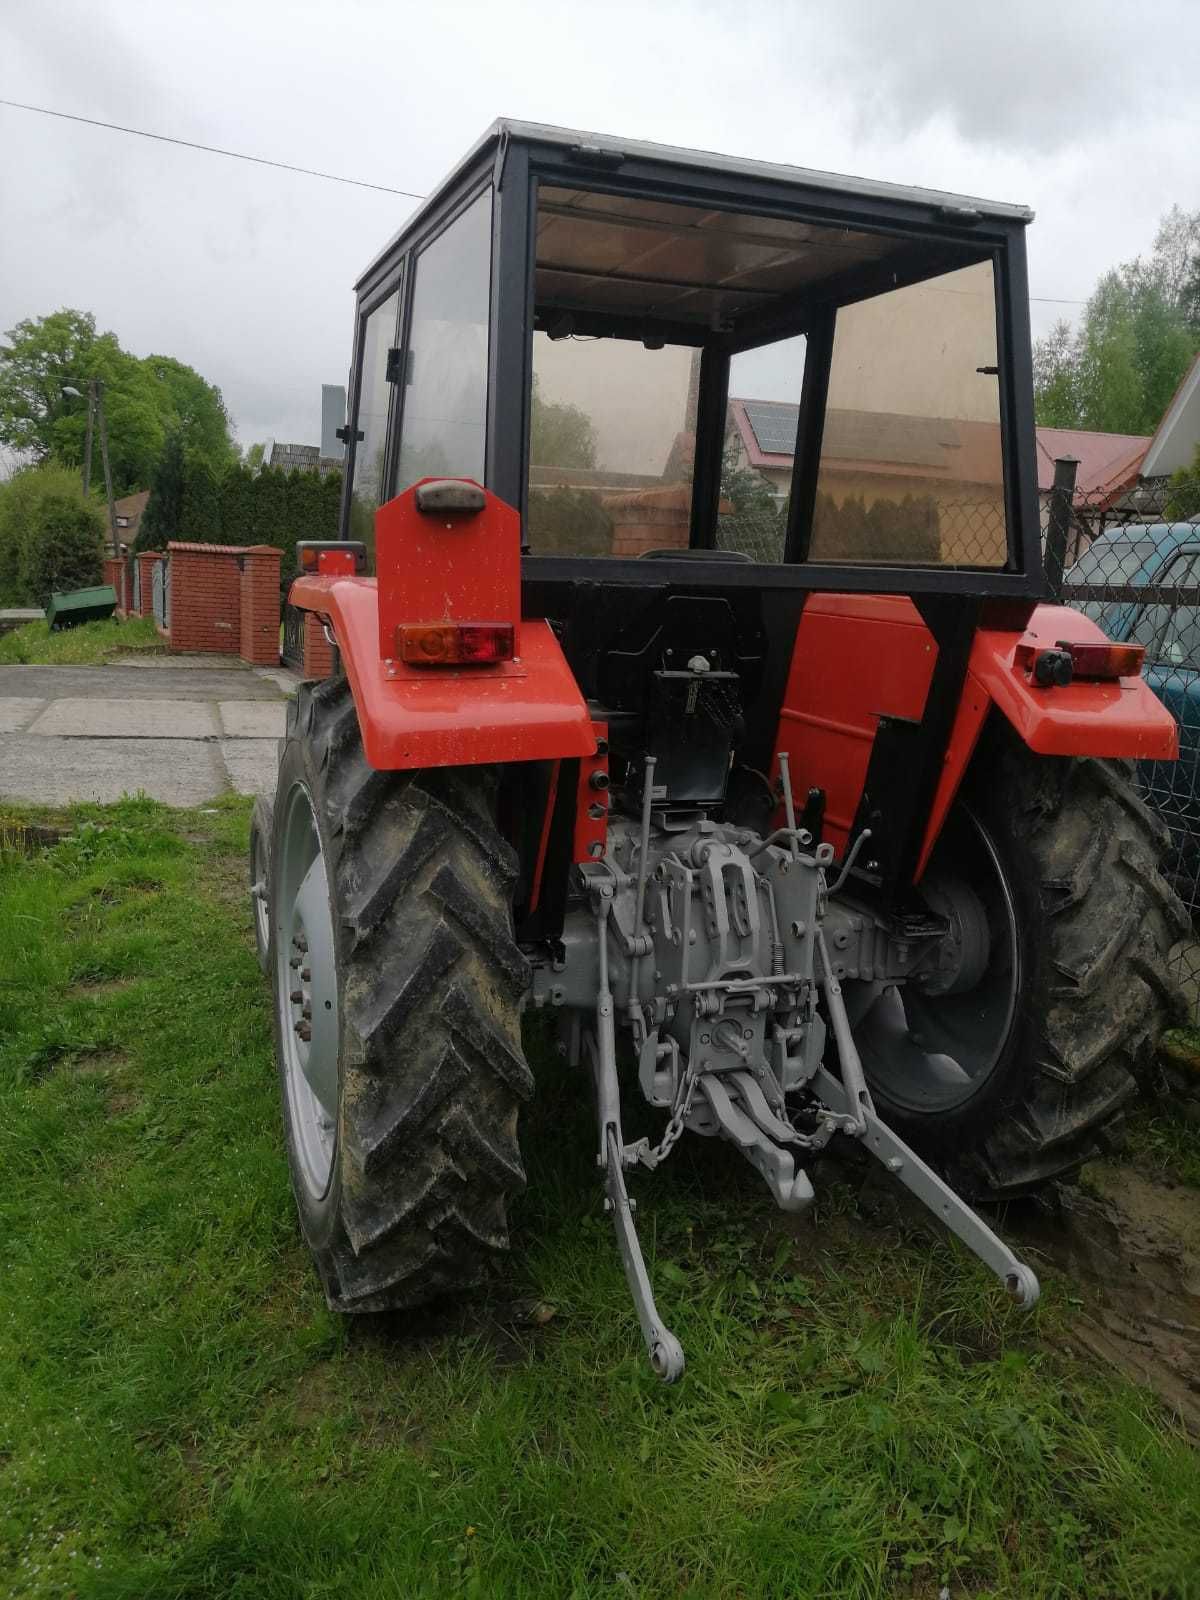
x=1108, y=462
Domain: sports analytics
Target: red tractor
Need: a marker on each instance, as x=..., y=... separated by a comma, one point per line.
x=703, y=696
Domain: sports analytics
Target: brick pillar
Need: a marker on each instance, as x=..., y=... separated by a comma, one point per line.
x=145, y=560
x=649, y=519
x=114, y=575
x=318, y=652
x=260, y=605
x=206, y=610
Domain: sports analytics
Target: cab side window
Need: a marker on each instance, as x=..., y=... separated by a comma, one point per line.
x=443, y=421
x=371, y=416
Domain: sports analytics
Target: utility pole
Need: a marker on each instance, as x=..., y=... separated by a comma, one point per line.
x=87, y=449
x=97, y=388
x=95, y=413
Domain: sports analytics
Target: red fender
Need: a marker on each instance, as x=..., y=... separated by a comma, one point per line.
x=529, y=709
x=860, y=657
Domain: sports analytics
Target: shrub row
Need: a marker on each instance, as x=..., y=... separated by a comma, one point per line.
x=50, y=536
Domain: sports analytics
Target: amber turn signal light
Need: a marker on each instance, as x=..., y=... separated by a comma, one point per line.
x=454, y=644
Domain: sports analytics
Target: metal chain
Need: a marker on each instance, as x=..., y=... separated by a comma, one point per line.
x=684, y=1096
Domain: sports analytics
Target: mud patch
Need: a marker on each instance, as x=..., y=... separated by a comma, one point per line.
x=90, y=987
x=1132, y=1245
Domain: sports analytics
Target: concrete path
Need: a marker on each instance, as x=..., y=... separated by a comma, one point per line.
x=182, y=729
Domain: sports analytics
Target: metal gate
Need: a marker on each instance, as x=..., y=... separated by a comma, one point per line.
x=162, y=592
x=293, y=637
x=137, y=586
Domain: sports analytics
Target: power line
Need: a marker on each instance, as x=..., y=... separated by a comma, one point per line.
x=211, y=149
x=310, y=172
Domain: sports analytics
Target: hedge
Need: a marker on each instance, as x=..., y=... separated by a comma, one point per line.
x=50, y=536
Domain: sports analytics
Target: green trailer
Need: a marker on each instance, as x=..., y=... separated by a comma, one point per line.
x=81, y=605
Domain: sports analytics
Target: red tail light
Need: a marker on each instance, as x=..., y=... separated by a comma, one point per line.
x=454, y=644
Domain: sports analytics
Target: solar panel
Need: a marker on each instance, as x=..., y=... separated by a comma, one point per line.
x=774, y=424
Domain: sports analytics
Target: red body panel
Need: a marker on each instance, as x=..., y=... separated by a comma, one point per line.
x=452, y=567
x=860, y=657
x=529, y=709
x=856, y=658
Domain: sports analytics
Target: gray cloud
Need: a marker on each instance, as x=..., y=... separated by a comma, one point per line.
x=1079, y=110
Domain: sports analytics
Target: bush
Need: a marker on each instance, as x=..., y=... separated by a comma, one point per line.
x=50, y=536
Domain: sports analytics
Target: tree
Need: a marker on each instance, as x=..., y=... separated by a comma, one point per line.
x=1117, y=371
x=200, y=510
x=560, y=435
x=144, y=401
x=163, y=516
x=195, y=410
x=252, y=456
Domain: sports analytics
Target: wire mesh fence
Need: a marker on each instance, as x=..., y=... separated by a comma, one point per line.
x=1131, y=562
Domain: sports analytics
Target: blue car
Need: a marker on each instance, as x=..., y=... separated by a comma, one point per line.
x=1154, y=560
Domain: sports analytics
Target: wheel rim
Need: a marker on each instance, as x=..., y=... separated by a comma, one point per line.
x=306, y=994
x=932, y=1053
x=258, y=890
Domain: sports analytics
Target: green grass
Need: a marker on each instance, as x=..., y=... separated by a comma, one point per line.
x=91, y=644
x=180, y=1416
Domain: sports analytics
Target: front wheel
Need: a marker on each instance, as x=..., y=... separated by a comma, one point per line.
x=1010, y=1073
x=397, y=988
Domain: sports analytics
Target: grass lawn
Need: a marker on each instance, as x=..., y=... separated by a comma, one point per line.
x=91, y=644
x=180, y=1416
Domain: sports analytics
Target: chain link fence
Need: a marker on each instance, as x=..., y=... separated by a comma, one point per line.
x=1131, y=562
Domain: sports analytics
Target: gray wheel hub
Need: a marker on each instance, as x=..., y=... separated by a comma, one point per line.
x=306, y=991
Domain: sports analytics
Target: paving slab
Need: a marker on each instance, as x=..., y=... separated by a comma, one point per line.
x=252, y=719
x=17, y=713
x=143, y=682
x=130, y=719
x=41, y=771
x=251, y=764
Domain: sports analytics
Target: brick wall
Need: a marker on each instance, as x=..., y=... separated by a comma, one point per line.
x=259, y=641
x=318, y=652
x=206, y=598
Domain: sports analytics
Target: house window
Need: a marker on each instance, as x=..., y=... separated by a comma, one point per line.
x=444, y=416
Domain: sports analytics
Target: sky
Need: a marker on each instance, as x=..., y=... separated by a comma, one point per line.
x=1083, y=109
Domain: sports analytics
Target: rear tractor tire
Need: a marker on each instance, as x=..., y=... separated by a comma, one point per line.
x=1024, y=1075
x=397, y=988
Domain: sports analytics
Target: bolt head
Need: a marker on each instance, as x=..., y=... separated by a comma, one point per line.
x=303, y=1031
x=296, y=996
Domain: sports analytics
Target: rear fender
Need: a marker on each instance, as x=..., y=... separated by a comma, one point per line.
x=861, y=658
x=529, y=709
x=1119, y=718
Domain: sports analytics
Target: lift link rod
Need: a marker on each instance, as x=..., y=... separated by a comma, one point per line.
x=905, y=1165
x=663, y=1348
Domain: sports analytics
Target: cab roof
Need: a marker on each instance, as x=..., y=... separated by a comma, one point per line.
x=607, y=153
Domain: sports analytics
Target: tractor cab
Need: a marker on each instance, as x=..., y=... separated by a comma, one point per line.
x=712, y=389
x=700, y=697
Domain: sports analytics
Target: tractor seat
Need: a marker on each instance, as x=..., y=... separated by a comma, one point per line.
x=693, y=555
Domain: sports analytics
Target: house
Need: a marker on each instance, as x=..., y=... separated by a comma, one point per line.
x=1175, y=440
x=873, y=453
x=128, y=513
x=300, y=458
